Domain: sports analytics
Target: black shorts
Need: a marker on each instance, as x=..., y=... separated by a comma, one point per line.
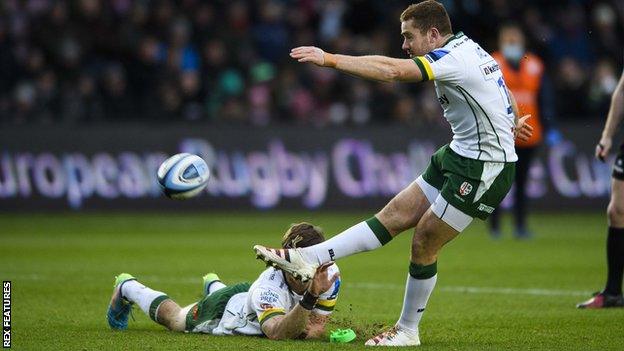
x=618, y=166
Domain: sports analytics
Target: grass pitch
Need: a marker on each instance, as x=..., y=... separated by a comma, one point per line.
x=491, y=295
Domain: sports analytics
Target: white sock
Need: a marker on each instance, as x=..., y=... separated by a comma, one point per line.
x=364, y=236
x=417, y=292
x=214, y=286
x=143, y=296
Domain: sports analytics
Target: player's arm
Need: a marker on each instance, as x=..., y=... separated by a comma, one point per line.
x=374, y=67
x=514, y=106
x=293, y=324
x=522, y=130
x=316, y=326
x=616, y=112
x=322, y=311
x=288, y=326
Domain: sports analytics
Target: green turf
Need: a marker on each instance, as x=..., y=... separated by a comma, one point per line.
x=62, y=269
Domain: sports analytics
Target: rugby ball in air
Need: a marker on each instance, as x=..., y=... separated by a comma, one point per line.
x=183, y=176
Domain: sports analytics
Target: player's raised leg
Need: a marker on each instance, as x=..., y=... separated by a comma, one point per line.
x=401, y=213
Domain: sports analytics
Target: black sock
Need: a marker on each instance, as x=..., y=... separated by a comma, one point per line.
x=615, y=261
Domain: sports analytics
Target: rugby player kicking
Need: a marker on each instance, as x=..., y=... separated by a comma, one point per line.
x=276, y=305
x=465, y=179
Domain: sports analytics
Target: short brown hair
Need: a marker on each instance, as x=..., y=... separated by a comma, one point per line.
x=426, y=15
x=302, y=235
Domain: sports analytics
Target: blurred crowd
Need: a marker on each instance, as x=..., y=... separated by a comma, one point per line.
x=84, y=61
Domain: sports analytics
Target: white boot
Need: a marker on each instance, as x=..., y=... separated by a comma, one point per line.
x=395, y=336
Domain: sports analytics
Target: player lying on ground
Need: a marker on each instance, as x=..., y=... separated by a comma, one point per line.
x=275, y=305
x=466, y=179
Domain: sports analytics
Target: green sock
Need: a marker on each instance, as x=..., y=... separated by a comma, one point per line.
x=379, y=230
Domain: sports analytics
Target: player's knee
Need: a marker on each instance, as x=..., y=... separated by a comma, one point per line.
x=615, y=213
x=423, y=250
x=167, y=315
x=389, y=217
x=419, y=245
x=396, y=218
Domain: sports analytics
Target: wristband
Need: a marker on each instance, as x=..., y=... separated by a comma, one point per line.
x=308, y=301
x=329, y=60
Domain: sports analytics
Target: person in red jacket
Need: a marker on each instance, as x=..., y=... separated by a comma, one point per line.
x=524, y=75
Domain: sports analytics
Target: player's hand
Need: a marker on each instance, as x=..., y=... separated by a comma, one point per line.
x=523, y=131
x=309, y=54
x=603, y=147
x=321, y=283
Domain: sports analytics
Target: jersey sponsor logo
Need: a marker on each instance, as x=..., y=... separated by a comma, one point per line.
x=266, y=306
x=331, y=254
x=489, y=68
x=485, y=208
x=269, y=297
x=465, y=189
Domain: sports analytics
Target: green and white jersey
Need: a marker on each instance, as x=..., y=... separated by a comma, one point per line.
x=269, y=296
x=473, y=95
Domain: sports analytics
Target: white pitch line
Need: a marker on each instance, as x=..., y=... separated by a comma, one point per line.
x=360, y=285
x=479, y=290
x=514, y=291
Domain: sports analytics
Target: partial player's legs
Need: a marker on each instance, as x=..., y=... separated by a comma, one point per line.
x=523, y=166
x=431, y=234
x=468, y=188
x=495, y=224
x=611, y=296
x=520, y=204
x=401, y=213
x=172, y=316
x=406, y=209
x=157, y=305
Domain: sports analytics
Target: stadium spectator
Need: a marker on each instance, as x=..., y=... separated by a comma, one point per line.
x=156, y=46
x=525, y=75
x=601, y=87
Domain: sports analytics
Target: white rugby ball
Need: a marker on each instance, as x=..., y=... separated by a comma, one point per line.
x=182, y=176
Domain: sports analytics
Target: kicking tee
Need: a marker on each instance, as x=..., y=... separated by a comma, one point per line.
x=269, y=296
x=473, y=95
